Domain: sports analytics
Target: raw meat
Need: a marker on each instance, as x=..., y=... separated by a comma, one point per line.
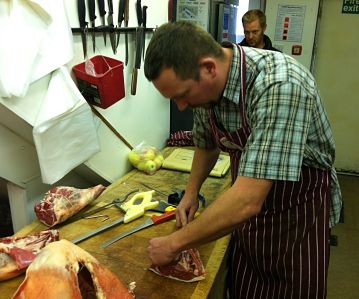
x=64, y=270
x=16, y=253
x=60, y=203
x=188, y=268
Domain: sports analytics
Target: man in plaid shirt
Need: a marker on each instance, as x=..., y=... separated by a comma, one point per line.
x=264, y=109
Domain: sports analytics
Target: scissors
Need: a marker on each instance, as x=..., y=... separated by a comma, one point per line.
x=133, y=209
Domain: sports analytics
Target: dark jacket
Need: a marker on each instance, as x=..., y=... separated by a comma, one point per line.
x=267, y=44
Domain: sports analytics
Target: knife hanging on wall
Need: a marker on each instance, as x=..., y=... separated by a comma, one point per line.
x=81, y=10
x=138, y=51
x=101, y=8
x=121, y=18
x=144, y=22
x=92, y=15
x=110, y=24
x=127, y=16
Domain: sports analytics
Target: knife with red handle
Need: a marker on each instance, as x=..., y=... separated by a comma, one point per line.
x=149, y=222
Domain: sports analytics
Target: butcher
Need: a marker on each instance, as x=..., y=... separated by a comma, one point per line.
x=264, y=109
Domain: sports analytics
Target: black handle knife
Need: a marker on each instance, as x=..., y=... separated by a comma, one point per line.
x=101, y=8
x=139, y=12
x=121, y=17
x=110, y=24
x=144, y=16
x=144, y=22
x=81, y=11
x=91, y=8
x=92, y=15
x=121, y=12
x=127, y=15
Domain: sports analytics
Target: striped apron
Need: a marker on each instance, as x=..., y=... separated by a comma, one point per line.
x=283, y=252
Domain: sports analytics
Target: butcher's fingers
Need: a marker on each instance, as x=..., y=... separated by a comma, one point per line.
x=160, y=252
x=186, y=211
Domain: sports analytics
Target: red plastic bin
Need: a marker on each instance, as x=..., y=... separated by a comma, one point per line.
x=107, y=87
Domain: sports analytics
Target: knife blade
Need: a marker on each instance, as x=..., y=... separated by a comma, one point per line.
x=110, y=24
x=92, y=15
x=81, y=10
x=101, y=8
x=97, y=231
x=154, y=220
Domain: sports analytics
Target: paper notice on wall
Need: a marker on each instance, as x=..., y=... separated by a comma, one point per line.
x=290, y=23
x=194, y=11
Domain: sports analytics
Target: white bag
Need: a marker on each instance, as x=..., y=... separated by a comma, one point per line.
x=64, y=132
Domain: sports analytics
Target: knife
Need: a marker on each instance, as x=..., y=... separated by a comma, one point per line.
x=121, y=17
x=154, y=220
x=144, y=21
x=92, y=15
x=127, y=16
x=133, y=210
x=101, y=8
x=139, y=39
x=110, y=24
x=81, y=10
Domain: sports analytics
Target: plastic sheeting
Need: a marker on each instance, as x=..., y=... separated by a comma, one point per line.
x=64, y=133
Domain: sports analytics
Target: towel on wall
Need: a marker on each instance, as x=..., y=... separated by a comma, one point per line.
x=38, y=40
x=64, y=132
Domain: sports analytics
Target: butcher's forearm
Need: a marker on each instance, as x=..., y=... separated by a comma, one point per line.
x=242, y=201
x=203, y=162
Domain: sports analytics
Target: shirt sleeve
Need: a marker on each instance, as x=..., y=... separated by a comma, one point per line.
x=280, y=121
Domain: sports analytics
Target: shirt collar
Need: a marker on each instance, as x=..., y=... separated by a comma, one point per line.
x=232, y=90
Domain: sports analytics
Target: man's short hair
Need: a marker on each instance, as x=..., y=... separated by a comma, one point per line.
x=255, y=14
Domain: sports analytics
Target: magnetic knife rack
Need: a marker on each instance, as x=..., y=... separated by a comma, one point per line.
x=110, y=29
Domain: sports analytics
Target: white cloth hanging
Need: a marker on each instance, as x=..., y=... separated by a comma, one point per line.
x=64, y=133
x=36, y=39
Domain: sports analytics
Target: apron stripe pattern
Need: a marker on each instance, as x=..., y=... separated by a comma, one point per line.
x=283, y=252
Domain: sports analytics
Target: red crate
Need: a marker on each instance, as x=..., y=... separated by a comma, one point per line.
x=107, y=87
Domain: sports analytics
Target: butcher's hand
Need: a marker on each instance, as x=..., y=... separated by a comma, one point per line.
x=186, y=209
x=160, y=251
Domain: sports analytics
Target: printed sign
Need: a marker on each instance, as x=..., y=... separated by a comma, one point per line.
x=350, y=6
x=290, y=22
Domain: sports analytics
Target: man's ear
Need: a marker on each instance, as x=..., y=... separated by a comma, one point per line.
x=209, y=66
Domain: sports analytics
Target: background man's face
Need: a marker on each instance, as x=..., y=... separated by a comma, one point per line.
x=254, y=34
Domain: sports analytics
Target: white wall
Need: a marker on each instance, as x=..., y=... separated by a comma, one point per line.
x=337, y=73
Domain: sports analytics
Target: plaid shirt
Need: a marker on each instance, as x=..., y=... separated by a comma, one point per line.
x=286, y=115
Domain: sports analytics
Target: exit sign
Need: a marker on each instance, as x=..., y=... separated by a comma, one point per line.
x=350, y=6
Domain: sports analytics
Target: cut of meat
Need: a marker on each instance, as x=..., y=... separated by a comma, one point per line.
x=16, y=253
x=60, y=203
x=188, y=267
x=64, y=270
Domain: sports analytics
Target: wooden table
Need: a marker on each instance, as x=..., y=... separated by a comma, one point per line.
x=128, y=258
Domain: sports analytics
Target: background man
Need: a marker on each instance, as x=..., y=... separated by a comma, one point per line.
x=254, y=25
